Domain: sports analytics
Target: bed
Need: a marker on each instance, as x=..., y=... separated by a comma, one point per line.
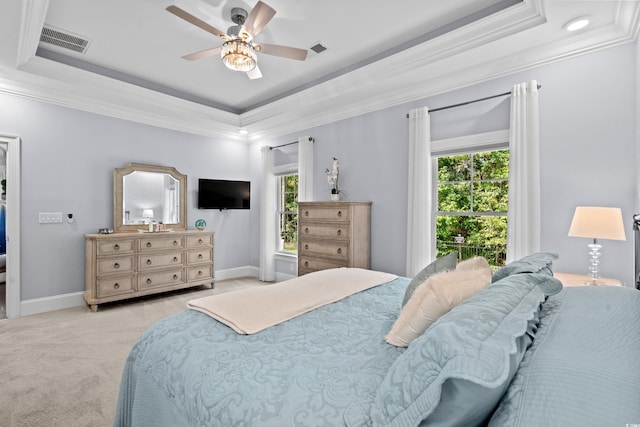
x=521, y=351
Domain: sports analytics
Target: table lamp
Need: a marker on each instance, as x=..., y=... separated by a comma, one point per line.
x=148, y=214
x=597, y=222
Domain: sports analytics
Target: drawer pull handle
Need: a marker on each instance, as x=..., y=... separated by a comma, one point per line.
x=116, y=286
x=175, y=243
x=116, y=265
x=306, y=246
x=148, y=262
x=199, y=240
x=339, y=251
x=116, y=246
x=175, y=277
x=175, y=259
x=148, y=281
x=200, y=273
x=339, y=232
x=339, y=214
x=306, y=263
x=199, y=256
x=306, y=230
x=306, y=213
x=148, y=244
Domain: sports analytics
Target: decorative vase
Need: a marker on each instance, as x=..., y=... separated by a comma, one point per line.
x=335, y=197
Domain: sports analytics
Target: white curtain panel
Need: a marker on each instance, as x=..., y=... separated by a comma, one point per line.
x=419, y=231
x=305, y=169
x=268, y=218
x=523, y=233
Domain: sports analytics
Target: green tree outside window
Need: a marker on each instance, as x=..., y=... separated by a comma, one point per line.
x=472, y=205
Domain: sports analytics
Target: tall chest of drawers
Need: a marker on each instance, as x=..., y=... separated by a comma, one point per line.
x=333, y=234
x=126, y=265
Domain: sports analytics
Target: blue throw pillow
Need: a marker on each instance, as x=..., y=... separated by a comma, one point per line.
x=539, y=262
x=456, y=372
x=447, y=262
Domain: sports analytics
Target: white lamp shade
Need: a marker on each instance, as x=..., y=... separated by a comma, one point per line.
x=147, y=213
x=597, y=222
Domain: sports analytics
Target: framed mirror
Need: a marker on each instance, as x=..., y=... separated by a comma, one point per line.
x=148, y=193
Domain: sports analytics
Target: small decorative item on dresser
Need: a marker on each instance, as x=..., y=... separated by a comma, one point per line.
x=201, y=224
x=332, y=178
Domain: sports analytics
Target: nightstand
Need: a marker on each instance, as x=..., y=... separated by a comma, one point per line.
x=569, y=279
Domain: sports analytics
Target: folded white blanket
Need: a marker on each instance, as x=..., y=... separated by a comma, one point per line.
x=251, y=310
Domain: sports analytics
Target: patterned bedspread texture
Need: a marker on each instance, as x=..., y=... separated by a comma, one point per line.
x=190, y=370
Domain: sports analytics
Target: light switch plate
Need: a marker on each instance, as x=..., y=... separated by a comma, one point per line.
x=50, y=217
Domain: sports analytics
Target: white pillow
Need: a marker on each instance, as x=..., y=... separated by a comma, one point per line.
x=436, y=297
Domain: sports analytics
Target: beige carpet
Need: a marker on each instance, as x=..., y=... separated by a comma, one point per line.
x=63, y=368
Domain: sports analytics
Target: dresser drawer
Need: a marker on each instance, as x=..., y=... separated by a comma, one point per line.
x=161, y=278
x=160, y=243
x=330, y=213
x=131, y=264
x=203, y=272
x=314, y=264
x=154, y=261
x=326, y=249
x=116, y=247
x=124, y=264
x=199, y=241
x=115, y=286
x=195, y=257
x=333, y=231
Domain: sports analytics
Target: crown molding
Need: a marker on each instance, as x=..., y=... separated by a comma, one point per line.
x=354, y=94
x=474, y=53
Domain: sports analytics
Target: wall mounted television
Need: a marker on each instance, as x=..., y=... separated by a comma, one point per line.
x=223, y=194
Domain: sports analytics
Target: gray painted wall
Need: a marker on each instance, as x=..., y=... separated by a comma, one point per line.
x=68, y=157
x=588, y=152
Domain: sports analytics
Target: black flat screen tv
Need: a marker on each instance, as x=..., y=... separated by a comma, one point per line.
x=223, y=194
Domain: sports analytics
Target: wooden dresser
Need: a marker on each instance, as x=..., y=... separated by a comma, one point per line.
x=120, y=266
x=333, y=234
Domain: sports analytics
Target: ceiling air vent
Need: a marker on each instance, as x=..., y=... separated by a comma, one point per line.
x=318, y=48
x=64, y=39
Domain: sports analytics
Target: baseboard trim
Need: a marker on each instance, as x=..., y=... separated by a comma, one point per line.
x=232, y=273
x=76, y=299
x=56, y=302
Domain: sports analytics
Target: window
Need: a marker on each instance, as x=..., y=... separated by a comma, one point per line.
x=288, y=213
x=472, y=192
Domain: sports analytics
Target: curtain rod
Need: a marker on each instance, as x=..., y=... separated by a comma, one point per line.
x=472, y=101
x=289, y=143
x=283, y=145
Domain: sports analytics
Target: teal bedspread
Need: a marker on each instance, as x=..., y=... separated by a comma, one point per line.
x=191, y=370
x=582, y=369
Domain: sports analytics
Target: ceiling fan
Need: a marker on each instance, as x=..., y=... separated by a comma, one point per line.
x=238, y=52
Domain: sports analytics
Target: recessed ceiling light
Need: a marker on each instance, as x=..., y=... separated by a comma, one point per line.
x=243, y=131
x=577, y=24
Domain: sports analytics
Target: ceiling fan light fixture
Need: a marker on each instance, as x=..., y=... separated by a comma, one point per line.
x=239, y=55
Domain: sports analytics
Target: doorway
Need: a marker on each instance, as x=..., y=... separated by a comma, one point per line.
x=11, y=202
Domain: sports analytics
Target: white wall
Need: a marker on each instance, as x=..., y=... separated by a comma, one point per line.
x=68, y=157
x=588, y=153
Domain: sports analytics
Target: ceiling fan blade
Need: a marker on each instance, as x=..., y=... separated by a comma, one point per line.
x=255, y=73
x=283, y=51
x=258, y=18
x=196, y=21
x=203, y=54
